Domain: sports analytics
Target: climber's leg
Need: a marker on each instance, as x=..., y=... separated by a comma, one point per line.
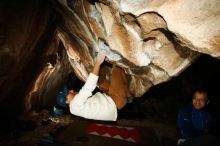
x=118, y=88
x=103, y=83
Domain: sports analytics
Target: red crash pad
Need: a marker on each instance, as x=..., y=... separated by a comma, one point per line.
x=96, y=133
x=130, y=134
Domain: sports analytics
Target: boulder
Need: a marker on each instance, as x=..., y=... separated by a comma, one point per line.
x=134, y=34
x=42, y=42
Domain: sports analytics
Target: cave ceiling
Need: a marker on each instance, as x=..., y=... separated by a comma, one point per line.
x=152, y=40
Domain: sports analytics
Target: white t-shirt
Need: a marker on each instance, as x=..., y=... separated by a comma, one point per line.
x=98, y=107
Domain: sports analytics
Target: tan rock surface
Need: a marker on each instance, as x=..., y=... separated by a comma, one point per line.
x=152, y=40
x=135, y=35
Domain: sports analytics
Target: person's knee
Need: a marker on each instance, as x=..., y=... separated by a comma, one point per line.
x=120, y=102
x=121, y=105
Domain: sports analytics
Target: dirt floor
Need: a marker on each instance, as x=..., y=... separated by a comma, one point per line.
x=43, y=129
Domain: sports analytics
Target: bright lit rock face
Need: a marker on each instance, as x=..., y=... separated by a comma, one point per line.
x=152, y=40
x=136, y=36
x=195, y=23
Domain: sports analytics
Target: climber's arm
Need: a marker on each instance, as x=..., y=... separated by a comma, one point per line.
x=76, y=105
x=99, y=60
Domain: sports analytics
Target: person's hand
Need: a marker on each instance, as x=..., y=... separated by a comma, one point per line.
x=70, y=96
x=100, y=57
x=180, y=141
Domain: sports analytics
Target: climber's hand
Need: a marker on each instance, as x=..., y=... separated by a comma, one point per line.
x=100, y=57
x=99, y=60
x=70, y=96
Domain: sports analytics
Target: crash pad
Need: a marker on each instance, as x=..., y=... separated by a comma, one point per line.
x=96, y=133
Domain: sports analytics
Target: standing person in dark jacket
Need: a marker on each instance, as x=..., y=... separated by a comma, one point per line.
x=195, y=119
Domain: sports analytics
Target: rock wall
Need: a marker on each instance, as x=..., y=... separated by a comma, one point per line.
x=28, y=51
x=152, y=40
x=138, y=41
x=195, y=23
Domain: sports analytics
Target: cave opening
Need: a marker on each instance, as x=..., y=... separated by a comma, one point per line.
x=45, y=45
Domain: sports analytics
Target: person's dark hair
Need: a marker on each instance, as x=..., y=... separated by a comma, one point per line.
x=200, y=90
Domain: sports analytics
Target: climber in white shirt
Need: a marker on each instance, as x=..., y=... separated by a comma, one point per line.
x=100, y=106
